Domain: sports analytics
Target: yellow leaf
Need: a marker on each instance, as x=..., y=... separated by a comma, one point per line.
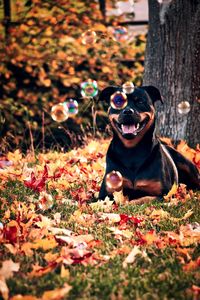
x=119, y=197
x=51, y=256
x=99, y=27
x=57, y=294
x=64, y=273
x=171, y=192
x=15, y=156
x=45, y=244
x=105, y=69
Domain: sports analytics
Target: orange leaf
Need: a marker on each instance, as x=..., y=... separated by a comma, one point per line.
x=57, y=294
x=4, y=289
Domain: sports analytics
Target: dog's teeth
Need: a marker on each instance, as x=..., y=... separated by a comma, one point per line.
x=138, y=125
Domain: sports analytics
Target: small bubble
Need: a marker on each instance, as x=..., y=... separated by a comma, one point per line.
x=183, y=107
x=120, y=33
x=89, y=37
x=72, y=107
x=89, y=88
x=128, y=87
x=59, y=112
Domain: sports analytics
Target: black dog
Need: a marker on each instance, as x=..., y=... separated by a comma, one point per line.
x=148, y=167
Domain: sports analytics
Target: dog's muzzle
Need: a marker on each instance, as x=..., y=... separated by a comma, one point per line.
x=129, y=123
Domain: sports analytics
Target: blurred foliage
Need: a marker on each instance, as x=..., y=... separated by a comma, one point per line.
x=43, y=62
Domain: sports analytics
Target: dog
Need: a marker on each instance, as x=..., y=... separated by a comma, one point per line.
x=149, y=167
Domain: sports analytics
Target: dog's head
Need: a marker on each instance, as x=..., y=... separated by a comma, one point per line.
x=131, y=115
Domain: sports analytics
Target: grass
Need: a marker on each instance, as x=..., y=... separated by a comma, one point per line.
x=162, y=270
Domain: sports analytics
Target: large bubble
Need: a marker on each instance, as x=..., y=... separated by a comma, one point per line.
x=114, y=181
x=118, y=100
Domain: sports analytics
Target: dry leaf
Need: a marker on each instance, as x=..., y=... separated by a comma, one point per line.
x=172, y=192
x=45, y=244
x=132, y=256
x=57, y=294
x=8, y=267
x=3, y=288
x=26, y=297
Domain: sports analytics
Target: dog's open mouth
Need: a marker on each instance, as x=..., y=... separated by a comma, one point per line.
x=131, y=130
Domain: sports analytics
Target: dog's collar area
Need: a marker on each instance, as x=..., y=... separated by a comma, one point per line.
x=131, y=130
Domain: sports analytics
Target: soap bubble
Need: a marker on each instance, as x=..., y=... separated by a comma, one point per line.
x=89, y=88
x=118, y=100
x=114, y=181
x=45, y=201
x=59, y=112
x=120, y=33
x=72, y=107
x=128, y=87
x=183, y=107
x=89, y=37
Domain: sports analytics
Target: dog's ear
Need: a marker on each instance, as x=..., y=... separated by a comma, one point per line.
x=153, y=92
x=107, y=92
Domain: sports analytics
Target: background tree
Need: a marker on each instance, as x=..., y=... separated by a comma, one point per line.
x=172, y=64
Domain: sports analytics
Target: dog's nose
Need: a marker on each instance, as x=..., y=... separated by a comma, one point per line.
x=128, y=111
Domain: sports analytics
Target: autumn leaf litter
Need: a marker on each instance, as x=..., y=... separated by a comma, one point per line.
x=47, y=210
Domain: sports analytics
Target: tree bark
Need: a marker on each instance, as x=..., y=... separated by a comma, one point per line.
x=173, y=65
x=7, y=16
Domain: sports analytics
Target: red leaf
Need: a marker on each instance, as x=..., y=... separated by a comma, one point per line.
x=37, y=184
x=125, y=219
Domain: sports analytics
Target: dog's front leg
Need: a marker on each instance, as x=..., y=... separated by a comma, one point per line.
x=103, y=191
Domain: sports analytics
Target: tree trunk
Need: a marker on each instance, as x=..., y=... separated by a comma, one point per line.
x=7, y=17
x=173, y=65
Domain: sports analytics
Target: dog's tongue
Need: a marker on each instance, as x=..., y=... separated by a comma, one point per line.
x=128, y=128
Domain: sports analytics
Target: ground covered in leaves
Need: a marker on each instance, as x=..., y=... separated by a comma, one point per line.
x=56, y=244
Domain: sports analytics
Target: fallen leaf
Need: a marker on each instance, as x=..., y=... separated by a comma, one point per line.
x=64, y=273
x=132, y=256
x=45, y=244
x=8, y=267
x=102, y=205
x=171, y=192
x=4, y=288
x=75, y=240
x=119, y=198
x=26, y=297
x=57, y=294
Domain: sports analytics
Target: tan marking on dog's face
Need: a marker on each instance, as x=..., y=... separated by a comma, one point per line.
x=133, y=142
x=152, y=187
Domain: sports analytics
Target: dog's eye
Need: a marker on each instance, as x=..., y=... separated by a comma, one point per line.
x=118, y=100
